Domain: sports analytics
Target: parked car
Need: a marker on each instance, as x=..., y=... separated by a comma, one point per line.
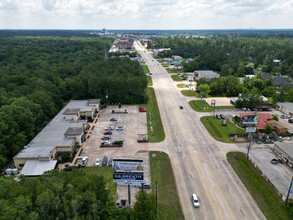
x=232, y=116
x=275, y=161
x=244, y=109
x=150, y=74
x=284, y=116
x=106, y=137
x=109, y=128
x=84, y=161
x=98, y=162
x=113, y=119
x=119, y=128
x=142, y=110
x=105, y=161
x=106, y=143
x=181, y=107
x=195, y=200
x=108, y=133
x=145, y=185
x=222, y=116
x=290, y=120
x=110, y=161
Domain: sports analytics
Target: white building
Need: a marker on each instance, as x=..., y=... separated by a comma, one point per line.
x=285, y=107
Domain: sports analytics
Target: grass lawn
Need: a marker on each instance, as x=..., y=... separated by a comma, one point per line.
x=171, y=70
x=150, y=81
x=190, y=93
x=266, y=198
x=158, y=134
x=106, y=172
x=176, y=78
x=203, y=106
x=145, y=69
x=181, y=85
x=219, y=132
x=169, y=206
x=165, y=65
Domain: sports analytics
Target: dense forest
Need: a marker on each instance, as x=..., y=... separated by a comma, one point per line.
x=67, y=195
x=39, y=75
x=231, y=55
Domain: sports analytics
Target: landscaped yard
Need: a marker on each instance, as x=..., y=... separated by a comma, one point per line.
x=176, y=78
x=106, y=172
x=181, y=85
x=158, y=134
x=169, y=206
x=190, y=93
x=266, y=198
x=219, y=132
x=203, y=106
x=145, y=69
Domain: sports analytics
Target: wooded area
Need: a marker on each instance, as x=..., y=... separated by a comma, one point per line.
x=39, y=75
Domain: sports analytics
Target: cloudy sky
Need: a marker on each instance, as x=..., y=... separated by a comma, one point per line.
x=146, y=14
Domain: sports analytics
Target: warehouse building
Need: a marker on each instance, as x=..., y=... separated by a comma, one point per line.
x=284, y=150
x=285, y=107
x=63, y=134
x=208, y=74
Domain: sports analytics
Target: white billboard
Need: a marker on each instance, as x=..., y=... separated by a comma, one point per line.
x=127, y=165
x=128, y=178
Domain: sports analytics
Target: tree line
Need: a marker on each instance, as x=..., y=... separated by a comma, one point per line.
x=39, y=75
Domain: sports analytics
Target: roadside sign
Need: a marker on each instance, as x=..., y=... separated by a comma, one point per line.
x=251, y=129
x=249, y=119
x=128, y=178
x=127, y=165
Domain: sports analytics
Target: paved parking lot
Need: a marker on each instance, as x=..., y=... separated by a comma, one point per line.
x=133, y=123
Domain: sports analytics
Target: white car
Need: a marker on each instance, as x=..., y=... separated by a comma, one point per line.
x=119, y=128
x=109, y=128
x=232, y=116
x=98, y=162
x=84, y=161
x=195, y=200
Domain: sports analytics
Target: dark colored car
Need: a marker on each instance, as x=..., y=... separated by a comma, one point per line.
x=218, y=117
x=113, y=119
x=222, y=116
x=105, y=161
x=107, y=132
x=110, y=161
x=106, y=137
x=181, y=107
x=275, y=161
x=145, y=185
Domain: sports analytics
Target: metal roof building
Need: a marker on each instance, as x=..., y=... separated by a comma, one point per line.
x=285, y=151
x=209, y=74
x=285, y=107
x=37, y=167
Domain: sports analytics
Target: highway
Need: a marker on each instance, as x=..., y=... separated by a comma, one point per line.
x=199, y=162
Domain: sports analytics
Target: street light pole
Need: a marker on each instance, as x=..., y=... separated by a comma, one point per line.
x=286, y=202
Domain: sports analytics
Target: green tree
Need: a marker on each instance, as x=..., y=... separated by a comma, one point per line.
x=275, y=117
x=145, y=206
x=268, y=128
x=204, y=89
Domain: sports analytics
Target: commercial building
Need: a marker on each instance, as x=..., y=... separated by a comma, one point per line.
x=285, y=107
x=176, y=57
x=123, y=45
x=63, y=134
x=259, y=119
x=208, y=74
x=284, y=150
x=280, y=129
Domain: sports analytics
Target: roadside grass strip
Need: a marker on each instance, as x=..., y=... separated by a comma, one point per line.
x=203, y=106
x=145, y=69
x=169, y=206
x=172, y=70
x=157, y=133
x=219, y=132
x=190, y=93
x=261, y=191
x=106, y=172
x=150, y=81
x=176, y=78
x=181, y=85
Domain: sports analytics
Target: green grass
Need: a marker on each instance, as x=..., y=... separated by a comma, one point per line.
x=158, y=134
x=145, y=69
x=160, y=61
x=190, y=93
x=165, y=65
x=169, y=206
x=219, y=132
x=171, y=70
x=203, y=106
x=176, y=78
x=264, y=195
x=181, y=85
x=150, y=81
x=106, y=172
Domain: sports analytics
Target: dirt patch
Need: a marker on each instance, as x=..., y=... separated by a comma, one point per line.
x=221, y=101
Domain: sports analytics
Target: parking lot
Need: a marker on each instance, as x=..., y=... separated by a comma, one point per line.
x=133, y=123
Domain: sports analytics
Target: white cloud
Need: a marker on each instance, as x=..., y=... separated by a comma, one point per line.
x=157, y=14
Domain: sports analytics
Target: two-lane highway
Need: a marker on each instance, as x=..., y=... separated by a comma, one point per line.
x=199, y=162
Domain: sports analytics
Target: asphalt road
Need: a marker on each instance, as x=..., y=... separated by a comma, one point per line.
x=199, y=162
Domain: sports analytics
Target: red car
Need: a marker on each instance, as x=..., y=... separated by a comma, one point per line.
x=142, y=109
x=107, y=132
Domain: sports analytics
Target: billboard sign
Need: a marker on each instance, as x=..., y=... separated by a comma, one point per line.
x=128, y=178
x=127, y=165
x=250, y=119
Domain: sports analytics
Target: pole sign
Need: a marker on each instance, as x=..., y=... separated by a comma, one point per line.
x=250, y=119
x=128, y=178
x=127, y=166
x=251, y=129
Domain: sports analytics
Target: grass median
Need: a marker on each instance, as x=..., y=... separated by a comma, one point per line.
x=158, y=134
x=169, y=206
x=172, y=70
x=264, y=195
x=190, y=93
x=176, y=78
x=203, y=106
x=181, y=85
x=219, y=132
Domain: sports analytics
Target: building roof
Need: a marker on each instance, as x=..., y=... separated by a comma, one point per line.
x=288, y=105
x=263, y=118
x=266, y=75
x=122, y=42
x=94, y=101
x=287, y=147
x=276, y=124
x=37, y=167
x=207, y=73
x=52, y=135
x=71, y=111
x=280, y=80
x=74, y=131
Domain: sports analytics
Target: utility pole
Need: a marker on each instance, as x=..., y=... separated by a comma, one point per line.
x=129, y=196
x=248, y=149
x=289, y=191
x=156, y=194
x=107, y=97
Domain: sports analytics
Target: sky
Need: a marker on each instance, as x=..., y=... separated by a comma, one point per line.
x=146, y=14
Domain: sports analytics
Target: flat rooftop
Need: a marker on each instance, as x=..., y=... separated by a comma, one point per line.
x=287, y=147
x=52, y=135
x=207, y=73
x=288, y=105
